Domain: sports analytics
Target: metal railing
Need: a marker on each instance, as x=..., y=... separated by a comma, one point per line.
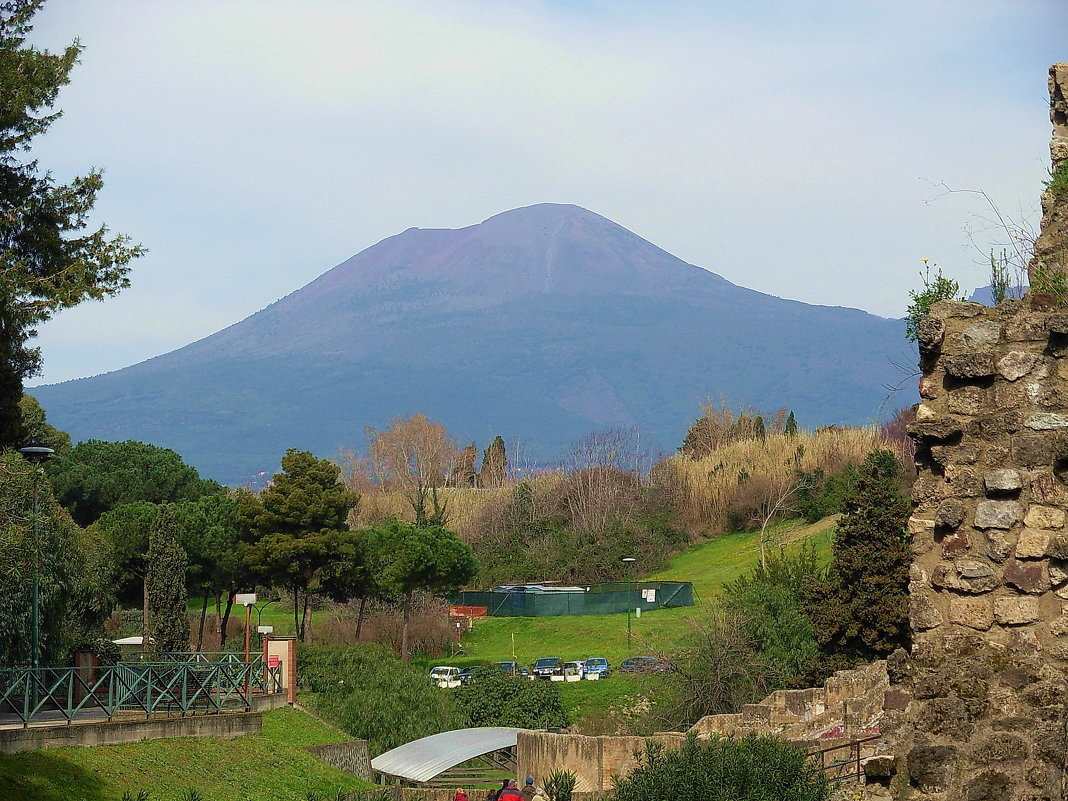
x=849, y=764
x=175, y=686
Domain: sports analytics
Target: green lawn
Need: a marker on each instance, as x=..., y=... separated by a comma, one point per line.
x=270, y=766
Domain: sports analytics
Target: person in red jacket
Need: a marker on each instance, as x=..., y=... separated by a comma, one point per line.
x=510, y=793
x=460, y=796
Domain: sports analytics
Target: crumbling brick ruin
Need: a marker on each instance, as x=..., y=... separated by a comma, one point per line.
x=986, y=681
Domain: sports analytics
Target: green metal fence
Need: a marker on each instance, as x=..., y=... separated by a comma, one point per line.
x=597, y=599
x=173, y=687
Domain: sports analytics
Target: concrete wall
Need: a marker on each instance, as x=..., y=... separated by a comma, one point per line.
x=352, y=757
x=228, y=727
x=265, y=703
x=593, y=760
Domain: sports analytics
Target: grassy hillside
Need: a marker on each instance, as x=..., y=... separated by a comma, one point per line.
x=270, y=766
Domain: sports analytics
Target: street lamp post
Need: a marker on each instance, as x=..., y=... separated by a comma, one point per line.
x=629, y=562
x=36, y=454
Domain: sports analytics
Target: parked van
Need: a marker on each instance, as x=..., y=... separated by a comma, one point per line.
x=445, y=676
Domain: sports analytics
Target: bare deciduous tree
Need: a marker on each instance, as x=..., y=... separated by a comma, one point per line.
x=413, y=456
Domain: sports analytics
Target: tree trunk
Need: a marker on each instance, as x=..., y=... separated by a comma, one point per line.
x=225, y=620
x=144, y=615
x=359, y=617
x=203, y=617
x=304, y=617
x=296, y=612
x=404, y=630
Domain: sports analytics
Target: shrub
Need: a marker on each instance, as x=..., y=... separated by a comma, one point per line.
x=560, y=785
x=725, y=769
x=935, y=288
x=718, y=670
x=496, y=699
x=769, y=602
x=372, y=695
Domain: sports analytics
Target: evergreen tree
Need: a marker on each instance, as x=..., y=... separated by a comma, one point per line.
x=791, y=426
x=98, y=476
x=761, y=431
x=168, y=600
x=35, y=427
x=861, y=611
x=298, y=525
x=49, y=259
x=494, y=465
x=408, y=558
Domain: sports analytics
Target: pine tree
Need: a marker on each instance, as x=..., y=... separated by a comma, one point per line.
x=861, y=611
x=48, y=259
x=761, y=431
x=168, y=599
x=494, y=465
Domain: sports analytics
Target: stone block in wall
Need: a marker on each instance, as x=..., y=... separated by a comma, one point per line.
x=1032, y=543
x=1016, y=610
x=971, y=576
x=966, y=400
x=1046, y=421
x=964, y=482
x=1002, y=481
x=1029, y=576
x=1026, y=328
x=1016, y=364
x=1043, y=487
x=965, y=453
x=1036, y=449
x=997, y=514
x=956, y=544
x=930, y=333
x=999, y=424
x=970, y=366
x=981, y=335
x=1048, y=517
x=1009, y=396
x=950, y=514
x=998, y=548
x=975, y=613
x=939, y=430
x=1058, y=572
x=1058, y=547
x=923, y=614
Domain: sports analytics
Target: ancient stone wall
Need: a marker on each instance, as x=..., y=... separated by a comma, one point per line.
x=1051, y=248
x=987, y=674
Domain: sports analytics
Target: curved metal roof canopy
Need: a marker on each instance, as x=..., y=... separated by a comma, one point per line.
x=422, y=760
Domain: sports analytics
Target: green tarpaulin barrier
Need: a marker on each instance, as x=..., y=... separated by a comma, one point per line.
x=596, y=599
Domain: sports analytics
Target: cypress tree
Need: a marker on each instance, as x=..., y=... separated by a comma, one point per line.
x=494, y=465
x=464, y=473
x=168, y=599
x=861, y=611
x=791, y=426
x=761, y=431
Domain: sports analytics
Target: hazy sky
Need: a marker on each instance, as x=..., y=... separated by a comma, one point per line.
x=795, y=147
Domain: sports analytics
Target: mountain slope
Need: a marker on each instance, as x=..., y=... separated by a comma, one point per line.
x=544, y=322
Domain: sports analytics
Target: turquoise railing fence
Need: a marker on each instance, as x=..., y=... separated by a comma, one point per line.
x=199, y=685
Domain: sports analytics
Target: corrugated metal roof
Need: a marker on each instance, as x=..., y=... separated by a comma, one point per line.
x=422, y=760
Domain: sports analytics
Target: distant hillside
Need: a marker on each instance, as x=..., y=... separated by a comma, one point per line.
x=544, y=322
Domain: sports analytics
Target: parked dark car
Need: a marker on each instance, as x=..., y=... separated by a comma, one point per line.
x=547, y=666
x=643, y=664
x=469, y=672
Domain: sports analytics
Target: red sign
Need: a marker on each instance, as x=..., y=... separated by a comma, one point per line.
x=272, y=661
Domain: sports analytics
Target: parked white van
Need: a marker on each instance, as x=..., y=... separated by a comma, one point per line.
x=445, y=676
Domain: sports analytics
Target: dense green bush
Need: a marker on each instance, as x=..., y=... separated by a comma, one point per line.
x=769, y=602
x=821, y=495
x=372, y=695
x=496, y=699
x=725, y=769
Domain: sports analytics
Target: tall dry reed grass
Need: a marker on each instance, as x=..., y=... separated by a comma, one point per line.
x=465, y=506
x=704, y=490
